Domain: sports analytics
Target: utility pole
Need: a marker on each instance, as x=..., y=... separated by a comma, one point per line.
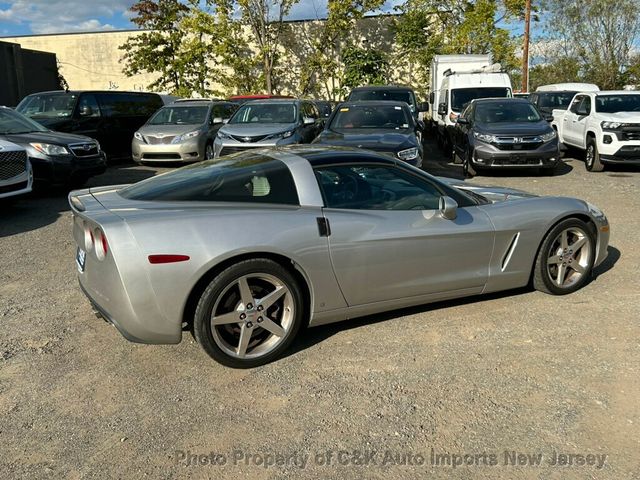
x=525, y=48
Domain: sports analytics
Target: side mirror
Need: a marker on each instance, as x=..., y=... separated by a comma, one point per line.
x=217, y=120
x=462, y=121
x=420, y=125
x=442, y=109
x=448, y=208
x=225, y=120
x=86, y=111
x=548, y=118
x=423, y=107
x=309, y=121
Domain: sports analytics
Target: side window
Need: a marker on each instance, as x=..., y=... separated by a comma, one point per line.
x=229, y=110
x=586, y=105
x=467, y=112
x=375, y=187
x=88, y=106
x=575, y=104
x=533, y=98
x=218, y=111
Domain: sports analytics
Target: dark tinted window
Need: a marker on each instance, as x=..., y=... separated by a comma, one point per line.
x=618, y=103
x=14, y=123
x=88, y=106
x=246, y=177
x=560, y=100
x=576, y=103
x=375, y=187
x=506, y=112
x=222, y=110
x=48, y=105
x=382, y=94
x=392, y=117
x=460, y=97
x=276, y=112
x=128, y=104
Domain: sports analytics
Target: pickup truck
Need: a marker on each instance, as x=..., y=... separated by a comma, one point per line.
x=606, y=125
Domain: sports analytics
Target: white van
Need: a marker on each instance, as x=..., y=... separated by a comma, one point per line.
x=568, y=87
x=458, y=89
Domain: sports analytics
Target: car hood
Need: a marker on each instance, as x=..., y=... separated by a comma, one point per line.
x=624, y=117
x=50, y=122
x=54, y=138
x=168, y=130
x=256, y=129
x=493, y=194
x=376, y=140
x=516, y=128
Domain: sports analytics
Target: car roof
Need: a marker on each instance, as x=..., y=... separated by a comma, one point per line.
x=273, y=100
x=198, y=103
x=382, y=87
x=374, y=103
x=501, y=99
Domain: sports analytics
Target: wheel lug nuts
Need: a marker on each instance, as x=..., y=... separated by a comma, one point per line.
x=259, y=319
x=260, y=307
x=249, y=324
x=249, y=306
x=242, y=316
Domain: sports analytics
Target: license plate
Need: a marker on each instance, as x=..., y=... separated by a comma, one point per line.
x=81, y=258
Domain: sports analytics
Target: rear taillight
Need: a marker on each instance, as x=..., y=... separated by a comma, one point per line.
x=100, y=244
x=88, y=238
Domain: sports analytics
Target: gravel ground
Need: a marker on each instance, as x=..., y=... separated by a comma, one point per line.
x=381, y=397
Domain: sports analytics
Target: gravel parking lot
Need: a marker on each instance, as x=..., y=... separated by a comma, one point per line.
x=390, y=396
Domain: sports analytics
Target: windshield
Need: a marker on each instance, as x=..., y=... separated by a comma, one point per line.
x=392, y=95
x=180, y=116
x=14, y=123
x=507, y=112
x=461, y=97
x=617, y=103
x=559, y=100
x=265, y=113
x=391, y=117
x=48, y=106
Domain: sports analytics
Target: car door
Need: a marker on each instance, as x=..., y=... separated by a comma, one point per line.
x=570, y=120
x=87, y=118
x=461, y=130
x=580, y=125
x=388, y=240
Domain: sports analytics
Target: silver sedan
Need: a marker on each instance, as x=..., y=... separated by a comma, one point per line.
x=249, y=250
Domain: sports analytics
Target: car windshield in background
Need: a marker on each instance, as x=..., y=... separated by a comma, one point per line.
x=461, y=97
x=392, y=95
x=617, y=103
x=507, y=112
x=180, y=116
x=48, y=106
x=265, y=113
x=12, y=123
x=559, y=100
x=380, y=117
x=246, y=177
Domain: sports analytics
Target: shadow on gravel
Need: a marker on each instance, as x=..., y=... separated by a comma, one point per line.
x=30, y=212
x=311, y=336
x=613, y=255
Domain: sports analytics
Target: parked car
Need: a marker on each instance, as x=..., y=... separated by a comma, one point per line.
x=509, y=132
x=181, y=132
x=558, y=96
x=250, y=250
x=458, y=89
x=382, y=126
x=525, y=95
x=325, y=107
x=386, y=92
x=267, y=123
x=110, y=117
x=16, y=177
x=605, y=124
x=56, y=158
x=240, y=99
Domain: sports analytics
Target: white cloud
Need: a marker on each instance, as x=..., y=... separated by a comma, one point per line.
x=48, y=16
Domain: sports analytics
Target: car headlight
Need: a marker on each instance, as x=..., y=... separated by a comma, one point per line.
x=485, y=137
x=223, y=135
x=548, y=136
x=139, y=136
x=408, y=154
x=611, y=125
x=596, y=212
x=186, y=136
x=49, y=149
x=286, y=134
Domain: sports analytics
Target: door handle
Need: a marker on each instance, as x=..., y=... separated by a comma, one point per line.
x=324, y=229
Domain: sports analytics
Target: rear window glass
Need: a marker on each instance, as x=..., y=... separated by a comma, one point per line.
x=129, y=104
x=245, y=177
x=393, y=95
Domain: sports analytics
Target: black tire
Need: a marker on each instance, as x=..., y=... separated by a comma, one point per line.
x=208, y=147
x=543, y=269
x=202, y=325
x=592, y=157
x=468, y=169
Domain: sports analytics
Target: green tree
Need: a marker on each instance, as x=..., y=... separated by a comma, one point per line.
x=363, y=66
x=599, y=33
x=157, y=50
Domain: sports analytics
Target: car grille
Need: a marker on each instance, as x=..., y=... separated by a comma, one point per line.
x=631, y=132
x=84, y=149
x=12, y=164
x=161, y=156
x=159, y=140
x=248, y=139
x=15, y=187
x=230, y=150
x=518, y=143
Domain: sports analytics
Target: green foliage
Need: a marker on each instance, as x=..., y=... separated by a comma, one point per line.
x=363, y=66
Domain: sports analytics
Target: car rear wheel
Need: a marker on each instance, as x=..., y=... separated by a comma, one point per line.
x=208, y=151
x=249, y=314
x=467, y=166
x=592, y=157
x=565, y=259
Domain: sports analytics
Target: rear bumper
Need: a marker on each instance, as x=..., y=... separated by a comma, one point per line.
x=486, y=155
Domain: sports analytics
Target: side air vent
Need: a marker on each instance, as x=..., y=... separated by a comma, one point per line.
x=507, y=255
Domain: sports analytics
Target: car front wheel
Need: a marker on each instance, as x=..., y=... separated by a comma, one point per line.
x=592, y=157
x=249, y=314
x=565, y=258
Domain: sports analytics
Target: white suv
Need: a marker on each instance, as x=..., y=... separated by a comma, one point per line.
x=604, y=124
x=16, y=177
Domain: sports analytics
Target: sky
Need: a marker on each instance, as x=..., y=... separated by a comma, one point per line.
x=26, y=17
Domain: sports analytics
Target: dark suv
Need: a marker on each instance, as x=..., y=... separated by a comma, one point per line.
x=505, y=132
x=386, y=92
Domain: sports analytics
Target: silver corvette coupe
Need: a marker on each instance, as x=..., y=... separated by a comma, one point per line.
x=248, y=250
